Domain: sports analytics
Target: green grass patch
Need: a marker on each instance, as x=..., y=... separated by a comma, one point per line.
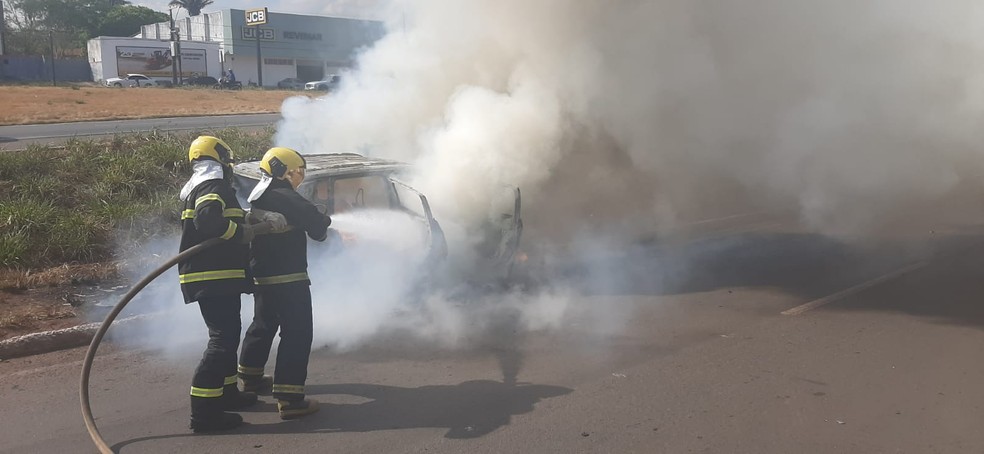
x=93, y=200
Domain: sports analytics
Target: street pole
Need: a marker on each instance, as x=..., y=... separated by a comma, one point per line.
x=257, y=17
x=259, y=59
x=51, y=44
x=176, y=58
x=3, y=30
x=174, y=50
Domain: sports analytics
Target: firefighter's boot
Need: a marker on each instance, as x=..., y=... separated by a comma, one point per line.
x=233, y=399
x=292, y=409
x=260, y=384
x=207, y=415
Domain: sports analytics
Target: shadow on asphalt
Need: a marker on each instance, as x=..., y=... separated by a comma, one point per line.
x=950, y=290
x=7, y=139
x=808, y=266
x=467, y=410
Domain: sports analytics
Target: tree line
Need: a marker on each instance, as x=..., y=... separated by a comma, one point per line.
x=71, y=23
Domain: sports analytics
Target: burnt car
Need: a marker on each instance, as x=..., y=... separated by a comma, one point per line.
x=345, y=182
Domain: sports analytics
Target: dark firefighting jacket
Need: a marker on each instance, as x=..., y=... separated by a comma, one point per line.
x=212, y=211
x=281, y=258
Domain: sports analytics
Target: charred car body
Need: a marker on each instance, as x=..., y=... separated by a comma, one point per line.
x=348, y=182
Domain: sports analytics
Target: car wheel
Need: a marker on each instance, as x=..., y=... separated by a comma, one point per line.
x=118, y=85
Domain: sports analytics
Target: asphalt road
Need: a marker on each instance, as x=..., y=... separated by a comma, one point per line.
x=685, y=349
x=22, y=136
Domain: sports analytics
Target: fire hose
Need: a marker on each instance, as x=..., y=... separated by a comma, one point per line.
x=90, y=423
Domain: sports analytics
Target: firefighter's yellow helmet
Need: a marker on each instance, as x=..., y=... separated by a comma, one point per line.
x=208, y=147
x=278, y=161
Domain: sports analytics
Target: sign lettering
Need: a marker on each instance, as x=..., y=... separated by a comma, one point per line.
x=303, y=36
x=266, y=34
x=256, y=16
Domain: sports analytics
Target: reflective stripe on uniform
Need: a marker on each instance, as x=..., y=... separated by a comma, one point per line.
x=233, y=213
x=230, y=232
x=228, y=212
x=288, y=389
x=206, y=392
x=282, y=279
x=208, y=198
x=211, y=276
x=230, y=380
x=250, y=370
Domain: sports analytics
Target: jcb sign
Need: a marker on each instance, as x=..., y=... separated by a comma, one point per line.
x=256, y=16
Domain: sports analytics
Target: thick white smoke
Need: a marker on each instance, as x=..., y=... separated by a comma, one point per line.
x=380, y=284
x=852, y=114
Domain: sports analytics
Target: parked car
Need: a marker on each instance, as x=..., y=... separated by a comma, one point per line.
x=131, y=80
x=344, y=182
x=201, y=81
x=291, y=83
x=330, y=83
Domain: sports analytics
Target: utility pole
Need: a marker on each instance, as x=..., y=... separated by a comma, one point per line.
x=176, y=58
x=259, y=59
x=174, y=49
x=51, y=45
x=3, y=30
x=257, y=17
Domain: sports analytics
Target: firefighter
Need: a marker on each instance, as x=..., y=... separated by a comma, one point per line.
x=282, y=295
x=215, y=279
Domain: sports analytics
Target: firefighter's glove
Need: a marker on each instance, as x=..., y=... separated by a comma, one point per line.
x=323, y=209
x=277, y=221
x=248, y=233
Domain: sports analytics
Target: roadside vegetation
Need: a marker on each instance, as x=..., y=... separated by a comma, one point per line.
x=66, y=212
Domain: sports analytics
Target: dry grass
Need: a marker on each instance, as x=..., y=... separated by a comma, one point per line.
x=29, y=104
x=87, y=274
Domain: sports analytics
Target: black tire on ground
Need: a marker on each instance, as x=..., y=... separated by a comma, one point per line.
x=117, y=84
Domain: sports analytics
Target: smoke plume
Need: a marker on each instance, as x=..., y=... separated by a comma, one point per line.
x=636, y=114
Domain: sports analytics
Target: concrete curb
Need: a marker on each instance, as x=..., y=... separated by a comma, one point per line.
x=59, y=339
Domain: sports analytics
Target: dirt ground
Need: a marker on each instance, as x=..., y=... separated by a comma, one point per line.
x=54, y=298
x=32, y=104
x=35, y=310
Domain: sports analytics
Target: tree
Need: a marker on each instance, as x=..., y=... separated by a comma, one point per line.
x=126, y=20
x=194, y=7
x=74, y=22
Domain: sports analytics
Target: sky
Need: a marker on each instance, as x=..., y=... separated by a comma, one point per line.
x=346, y=8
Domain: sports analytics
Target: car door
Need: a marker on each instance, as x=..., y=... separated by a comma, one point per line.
x=501, y=233
x=413, y=202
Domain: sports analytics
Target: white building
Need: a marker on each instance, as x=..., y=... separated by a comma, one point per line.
x=112, y=57
x=291, y=45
